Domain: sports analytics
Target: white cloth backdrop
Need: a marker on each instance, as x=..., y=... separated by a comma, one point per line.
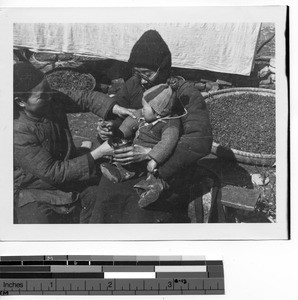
x=218, y=47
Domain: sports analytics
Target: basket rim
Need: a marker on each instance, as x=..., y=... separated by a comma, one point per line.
x=240, y=89
x=245, y=153
x=236, y=151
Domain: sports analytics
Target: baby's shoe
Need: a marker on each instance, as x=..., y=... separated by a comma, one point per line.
x=115, y=172
x=152, y=192
x=142, y=185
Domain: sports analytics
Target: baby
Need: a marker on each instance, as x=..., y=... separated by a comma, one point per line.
x=154, y=127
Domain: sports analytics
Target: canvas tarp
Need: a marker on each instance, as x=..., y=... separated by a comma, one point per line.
x=217, y=47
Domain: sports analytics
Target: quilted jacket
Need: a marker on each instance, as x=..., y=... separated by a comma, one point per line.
x=44, y=152
x=196, y=139
x=161, y=135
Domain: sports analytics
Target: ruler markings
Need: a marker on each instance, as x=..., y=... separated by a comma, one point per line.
x=170, y=275
x=182, y=275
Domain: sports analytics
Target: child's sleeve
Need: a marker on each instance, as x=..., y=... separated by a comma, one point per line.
x=169, y=139
x=129, y=126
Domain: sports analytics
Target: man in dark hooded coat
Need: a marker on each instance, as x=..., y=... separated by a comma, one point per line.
x=151, y=61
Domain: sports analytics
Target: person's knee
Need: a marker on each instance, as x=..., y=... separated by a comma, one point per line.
x=33, y=213
x=88, y=200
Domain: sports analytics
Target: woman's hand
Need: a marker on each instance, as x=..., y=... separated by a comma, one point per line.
x=131, y=154
x=103, y=150
x=123, y=112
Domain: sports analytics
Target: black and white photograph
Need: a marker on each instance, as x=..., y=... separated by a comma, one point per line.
x=155, y=122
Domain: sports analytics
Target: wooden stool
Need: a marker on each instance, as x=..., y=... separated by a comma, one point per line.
x=205, y=209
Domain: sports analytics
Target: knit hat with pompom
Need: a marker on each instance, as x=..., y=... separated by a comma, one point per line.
x=161, y=98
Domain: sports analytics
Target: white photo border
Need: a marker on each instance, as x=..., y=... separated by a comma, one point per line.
x=132, y=232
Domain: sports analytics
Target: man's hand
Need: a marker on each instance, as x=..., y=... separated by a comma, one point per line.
x=123, y=112
x=104, y=129
x=131, y=154
x=151, y=166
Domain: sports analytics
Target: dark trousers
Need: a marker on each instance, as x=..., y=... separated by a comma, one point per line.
x=45, y=213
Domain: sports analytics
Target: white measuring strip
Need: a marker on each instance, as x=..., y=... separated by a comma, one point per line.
x=117, y=275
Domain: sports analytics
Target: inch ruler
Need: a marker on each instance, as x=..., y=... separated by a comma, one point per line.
x=110, y=275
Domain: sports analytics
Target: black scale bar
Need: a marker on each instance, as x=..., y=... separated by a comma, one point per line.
x=125, y=263
x=25, y=269
x=12, y=263
x=148, y=263
x=101, y=263
x=52, y=275
x=78, y=263
x=34, y=263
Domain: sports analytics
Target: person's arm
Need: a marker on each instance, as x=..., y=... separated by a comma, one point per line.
x=84, y=101
x=122, y=96
x=35, y=159
x=96, y=102
x=169, y=138
x=196, y=140
x=122, y=99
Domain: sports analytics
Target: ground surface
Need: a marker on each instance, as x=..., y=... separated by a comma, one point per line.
x=83, y=127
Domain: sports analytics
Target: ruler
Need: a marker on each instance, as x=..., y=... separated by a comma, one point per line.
x=110, y=275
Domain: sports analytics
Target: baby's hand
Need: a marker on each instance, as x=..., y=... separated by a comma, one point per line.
x=151, y=166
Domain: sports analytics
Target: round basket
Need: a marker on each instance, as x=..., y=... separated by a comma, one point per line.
x=74, y=70
x=234, y=154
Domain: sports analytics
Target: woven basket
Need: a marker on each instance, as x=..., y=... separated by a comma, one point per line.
x=234, y=154
x=58, y=69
